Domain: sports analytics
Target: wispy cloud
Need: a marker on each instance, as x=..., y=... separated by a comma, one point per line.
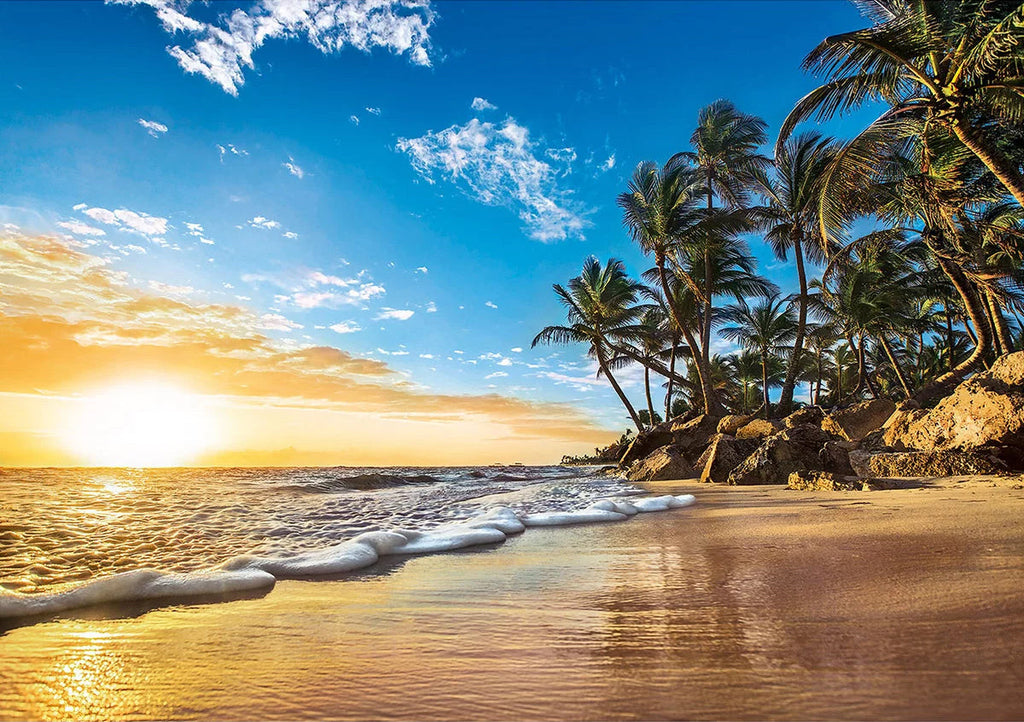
x=490, y=304
x=497, y=166
x=353, y=119
x=229, y=148
x=150, y=226
x=82, y=229
x=609, y=163
x=196, y=230
x=396, y=314
x=373, y=111
x=265, y=223
x=421, y=269
x=294, y=169
x=346, y=327
x=480, y=104
x=152, y=127
x=221, y=51
x=316, y=289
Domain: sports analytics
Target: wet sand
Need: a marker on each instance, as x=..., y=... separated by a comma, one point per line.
x=756, y=603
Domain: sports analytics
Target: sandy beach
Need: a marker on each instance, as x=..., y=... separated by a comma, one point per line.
x=757, y=602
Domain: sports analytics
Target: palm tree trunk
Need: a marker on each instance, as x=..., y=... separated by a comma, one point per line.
x=1001, y=166
x=647, y=389
x=672, y=371
x=711, y=403
x=618, y=390
x=945, y=383
x=872, y=389
x=789, y=385
x=986, y=302
x=967, y=325
x=861, y=376
x=949, y=336
x=764, y=384
x=895, y=366
x=1003, y=335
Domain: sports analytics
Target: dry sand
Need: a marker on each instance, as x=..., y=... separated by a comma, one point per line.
x=758, y=602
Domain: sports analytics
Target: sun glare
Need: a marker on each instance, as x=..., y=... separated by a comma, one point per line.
x=141, y=424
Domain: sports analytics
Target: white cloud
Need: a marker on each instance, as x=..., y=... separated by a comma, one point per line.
x=294, y=169
x=196, y=230
x=421, y=269
x=431, y=307
x=78, y=207
x=479, y=104
x=346, y=327
x=265, y=223
x=496, y=375
x=392, y=353
x=290, y=235
x=373, y=111
x=143, y=223
x=561, y=155
x=353, y=119
x=82, y=229
x=497, y=167
x=152, y=127
x=277, y=322
x=397, y=314
x=222, y=50
x=170, y=290
x=609, y=163
x=490, y=304
x=427, y=355
x=517, y=349
x=230, y=149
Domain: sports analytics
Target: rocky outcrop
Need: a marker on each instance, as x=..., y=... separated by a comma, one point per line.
x=723, y=454
x=823, y=481
x=690, y=437
x=857, y=421
x=732, y=423
x=665, y=463
x=928, y=463
x=798, y=449
x=985, y=412
x=758, y=429
x=807, y=415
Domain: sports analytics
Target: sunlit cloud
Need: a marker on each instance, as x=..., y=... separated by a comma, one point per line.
x=498, y=166
x=294, y=169
x=480, y=104
x=82, y=229
x=221, y=51
x=346, y=327
x=264, y=223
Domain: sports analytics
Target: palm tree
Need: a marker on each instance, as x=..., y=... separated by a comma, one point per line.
x=600, y=306
x=953, y=65
x=657, y=208
x=790, y=220
x=766, y=328
x=746, y=370
x=725, y=159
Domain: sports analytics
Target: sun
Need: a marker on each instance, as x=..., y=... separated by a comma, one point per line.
x=141, y=424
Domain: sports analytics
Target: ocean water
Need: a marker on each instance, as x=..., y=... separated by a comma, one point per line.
x=77, y=537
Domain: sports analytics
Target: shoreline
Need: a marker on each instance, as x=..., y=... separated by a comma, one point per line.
x=757, y=602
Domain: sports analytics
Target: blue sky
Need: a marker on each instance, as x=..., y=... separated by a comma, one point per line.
x=319, y=190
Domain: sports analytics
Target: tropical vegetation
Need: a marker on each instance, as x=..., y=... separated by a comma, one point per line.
x=906, y=241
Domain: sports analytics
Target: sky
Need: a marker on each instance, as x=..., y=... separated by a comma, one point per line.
x=333, y=226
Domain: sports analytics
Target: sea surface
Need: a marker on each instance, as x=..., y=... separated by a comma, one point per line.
x=63, y=529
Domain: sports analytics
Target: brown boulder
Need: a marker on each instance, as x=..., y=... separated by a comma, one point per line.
x=796, y=449
x=857, y=421
x=807, y=415
x=900, y=422
x=930, y=463
x=984, y=412
x=693, y=436
x=723, y=455
x=822, y=481
x=732, y=423
x=758, y=429
x=665, y=463
x=645, y=442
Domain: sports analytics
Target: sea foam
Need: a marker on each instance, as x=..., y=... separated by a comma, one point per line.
x=251, y=572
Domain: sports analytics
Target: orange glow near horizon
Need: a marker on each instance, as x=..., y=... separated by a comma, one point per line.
x=143, y=423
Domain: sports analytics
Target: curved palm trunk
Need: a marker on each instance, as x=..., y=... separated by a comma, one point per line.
x=711, y=403
x=1002, y=329
x=861, y=376
x=789, y=385
x=945, y=383
x=949, y=337
x=1001, y=166
x=647, y=390
x=986, y=302
x=895, y=366
x=672, y=371
x=618, y=390
x=764, y=384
